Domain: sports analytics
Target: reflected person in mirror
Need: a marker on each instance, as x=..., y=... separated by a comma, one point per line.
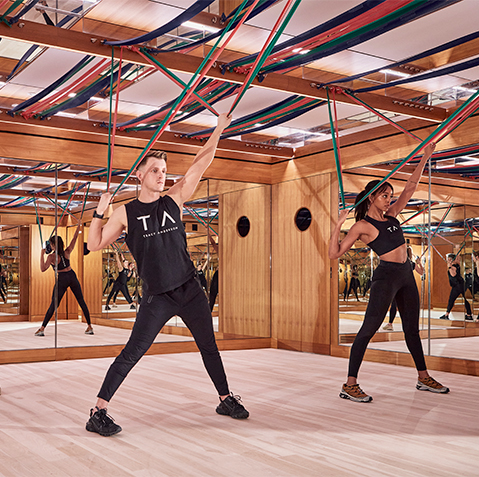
x=157, y=240
x=377, y=226
x=457, y=287
x=66, y=278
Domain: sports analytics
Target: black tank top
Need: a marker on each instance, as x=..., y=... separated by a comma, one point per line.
x=157, y=239
x=123, y=276
x=390, y=234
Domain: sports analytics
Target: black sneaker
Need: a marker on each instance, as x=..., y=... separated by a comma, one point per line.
x=232, y=406
x=444, y=317
x=107, y=308
x=132, y=307
x=469, y=318
x=102, y=423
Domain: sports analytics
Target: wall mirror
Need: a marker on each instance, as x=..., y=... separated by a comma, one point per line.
x=435, y=230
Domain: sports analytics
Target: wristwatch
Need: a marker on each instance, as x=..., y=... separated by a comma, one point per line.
x=97, y=216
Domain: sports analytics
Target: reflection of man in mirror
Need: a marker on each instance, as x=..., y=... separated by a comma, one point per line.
x=377, y=226
x=121, y=282
x=457, y=286
x=3, y=283
x=157, y=240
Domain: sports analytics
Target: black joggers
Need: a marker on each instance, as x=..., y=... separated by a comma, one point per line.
x=390, y=280
x=190, y=303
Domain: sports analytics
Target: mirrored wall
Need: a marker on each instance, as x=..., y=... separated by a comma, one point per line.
x=442, y=239
x=59, y=201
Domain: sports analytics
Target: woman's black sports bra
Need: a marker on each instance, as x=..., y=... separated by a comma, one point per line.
x=62, y=264
x=390, y=234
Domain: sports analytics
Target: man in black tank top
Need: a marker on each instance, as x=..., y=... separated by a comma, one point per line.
x=157, y=241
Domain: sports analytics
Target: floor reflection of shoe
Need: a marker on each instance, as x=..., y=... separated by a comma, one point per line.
x=430, y=384
x=39, y=333
x=444, y=317
x=388, y=327
x=114, y=305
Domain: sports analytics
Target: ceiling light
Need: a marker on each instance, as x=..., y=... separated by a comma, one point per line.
x=303, y=52
x=96, y=98
x=199, y=26
x=396, y=73
x=296, y=50
x=466, y=90
x=71, y=95
x=66, y=115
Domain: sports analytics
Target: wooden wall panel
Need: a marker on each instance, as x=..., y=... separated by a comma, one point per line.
x=301, y=269
x=244, y=275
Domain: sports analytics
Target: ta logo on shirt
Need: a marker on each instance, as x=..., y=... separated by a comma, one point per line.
x=392, y=229
x=166, y=215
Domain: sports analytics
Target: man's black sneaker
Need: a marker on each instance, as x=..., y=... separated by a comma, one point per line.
x=102, y=423
x=232, y=406
x=107, y=308
x=444, y=317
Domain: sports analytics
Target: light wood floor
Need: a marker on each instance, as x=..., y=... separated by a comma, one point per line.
x=298, y=425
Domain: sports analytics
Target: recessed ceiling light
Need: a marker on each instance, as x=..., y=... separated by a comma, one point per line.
x=396, y=73
x=199, y=26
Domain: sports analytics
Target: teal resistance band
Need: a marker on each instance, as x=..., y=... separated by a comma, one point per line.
x=181, y=97
x=435, y=134
x=337, y=158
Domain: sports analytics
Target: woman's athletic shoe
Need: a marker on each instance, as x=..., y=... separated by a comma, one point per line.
x=354, y=393
x=89, y=331
x=39, y=333
x=430, y=384
x=231, y=406
x=388, y=327
x=102, y=423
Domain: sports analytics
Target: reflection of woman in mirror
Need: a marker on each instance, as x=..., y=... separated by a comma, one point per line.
x=377, y=226
x=354, y=284
x=457, y=286
x=3, y=283
x=66, y=278
x=416, y=265
x=121, y=282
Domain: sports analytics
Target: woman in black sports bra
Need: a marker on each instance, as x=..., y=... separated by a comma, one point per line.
x=66, y=279
x=377, y=226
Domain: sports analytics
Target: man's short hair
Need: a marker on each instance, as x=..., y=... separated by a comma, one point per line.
x=155, y=154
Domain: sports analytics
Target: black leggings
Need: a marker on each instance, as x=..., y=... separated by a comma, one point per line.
x=354, y=287
x=119, y=287
x=189, y=302
x=393, y=311
x=67, y=280
x=457, y=290
x=390, y=280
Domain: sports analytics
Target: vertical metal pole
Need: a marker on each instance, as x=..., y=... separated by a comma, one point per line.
x=429, y=256
x=55, y=298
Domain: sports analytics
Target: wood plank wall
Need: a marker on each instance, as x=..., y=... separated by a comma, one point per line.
x=244, y=276
x=25, y=260
x=301, y=269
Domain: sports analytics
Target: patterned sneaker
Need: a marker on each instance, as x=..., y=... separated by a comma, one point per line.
x=39, y=333
x=430, y=384
x=102, y=423
x=388, y=327
x=89, y=331
x=232, y=406
x=355, y=393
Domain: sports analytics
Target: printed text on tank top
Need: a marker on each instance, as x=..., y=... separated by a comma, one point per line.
x=390, y=235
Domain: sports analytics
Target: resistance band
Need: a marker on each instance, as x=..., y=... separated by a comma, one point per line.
x=210, y=58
